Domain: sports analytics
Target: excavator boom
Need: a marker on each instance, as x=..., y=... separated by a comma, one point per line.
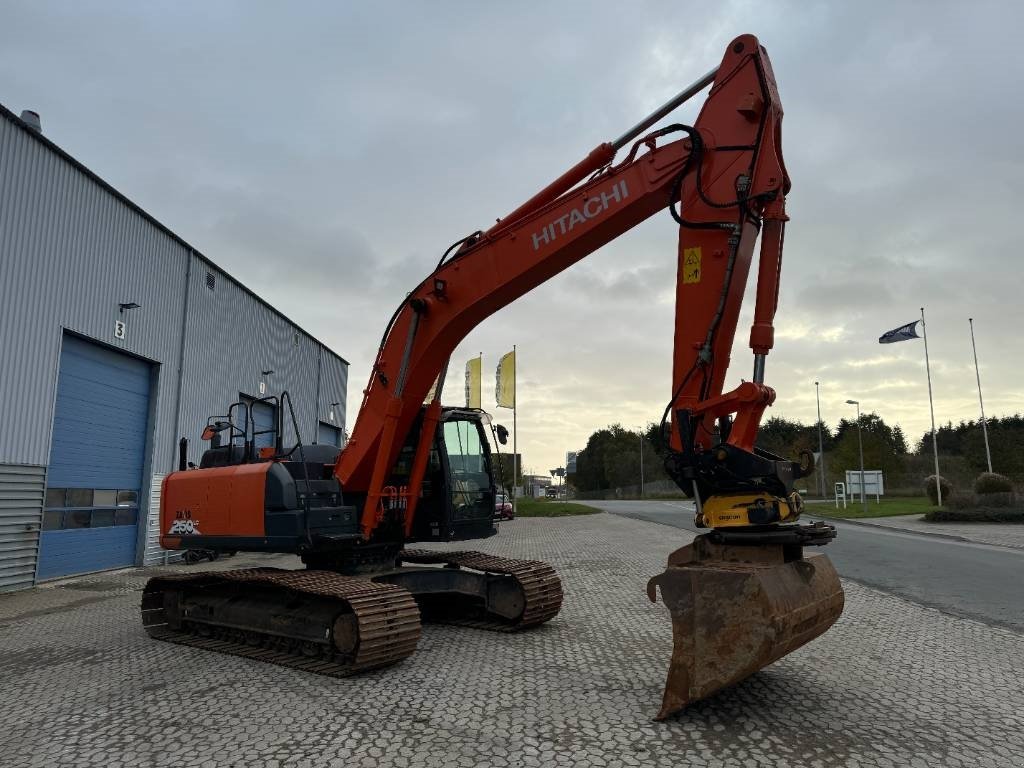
x=727, y=174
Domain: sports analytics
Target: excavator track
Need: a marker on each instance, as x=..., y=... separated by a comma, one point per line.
x=369, y=625
x=541, y=587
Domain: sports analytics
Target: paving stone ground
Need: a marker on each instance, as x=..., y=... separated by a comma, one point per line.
x=998, y=534
x=892, y=684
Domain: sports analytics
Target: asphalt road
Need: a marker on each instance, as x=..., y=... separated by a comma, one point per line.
x=977, y=581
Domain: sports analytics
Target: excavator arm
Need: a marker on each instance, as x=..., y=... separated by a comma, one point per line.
x=726, y=176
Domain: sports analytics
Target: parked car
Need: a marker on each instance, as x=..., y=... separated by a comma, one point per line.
x=503, y=507
x=552, y=493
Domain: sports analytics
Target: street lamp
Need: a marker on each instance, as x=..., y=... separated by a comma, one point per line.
x=821, y=444
x=860, y=445
x=641, y=463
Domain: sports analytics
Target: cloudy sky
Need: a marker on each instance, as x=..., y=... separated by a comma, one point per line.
x=327, y=153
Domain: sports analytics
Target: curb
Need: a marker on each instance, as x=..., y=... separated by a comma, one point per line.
x=912, y=531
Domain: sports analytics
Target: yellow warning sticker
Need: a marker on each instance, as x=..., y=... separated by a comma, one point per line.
x=691, y=265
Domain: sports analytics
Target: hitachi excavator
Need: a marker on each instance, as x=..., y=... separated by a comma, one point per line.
x=741, y=596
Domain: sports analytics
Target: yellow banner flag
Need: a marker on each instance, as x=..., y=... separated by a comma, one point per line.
x=433, y=391
x=505, y=381
x=474, y=380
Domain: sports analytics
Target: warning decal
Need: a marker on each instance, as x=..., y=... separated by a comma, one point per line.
x=691, y=265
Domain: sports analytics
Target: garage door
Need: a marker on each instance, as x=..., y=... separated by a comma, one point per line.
x=264, y=416
x=90, y=517
x=328, y=434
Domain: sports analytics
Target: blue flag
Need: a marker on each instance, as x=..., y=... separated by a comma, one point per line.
x=904, y=332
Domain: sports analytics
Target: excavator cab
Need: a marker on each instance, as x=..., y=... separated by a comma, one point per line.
x=457, y=496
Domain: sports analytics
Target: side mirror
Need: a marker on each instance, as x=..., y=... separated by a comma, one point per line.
x=502, y=434
x=212, y=432
x=214, y=429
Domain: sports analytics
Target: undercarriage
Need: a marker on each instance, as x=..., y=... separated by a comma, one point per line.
x=334, y=624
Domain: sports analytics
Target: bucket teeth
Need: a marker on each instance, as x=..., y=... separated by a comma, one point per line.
x=735, y=610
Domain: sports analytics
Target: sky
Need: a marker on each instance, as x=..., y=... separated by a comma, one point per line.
x=326, y=154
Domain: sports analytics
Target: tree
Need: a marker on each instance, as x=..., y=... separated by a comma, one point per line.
x=872, y=423
x=1006, y=441
x=884, y=446
x=787, y=438
x=612, y=460
x=590, y=474
x=966, y=439
x=503, y=464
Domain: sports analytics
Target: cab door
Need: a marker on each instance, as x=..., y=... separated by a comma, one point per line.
x=457, y=501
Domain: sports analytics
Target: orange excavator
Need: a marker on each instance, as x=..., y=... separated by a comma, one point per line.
x=741, y=595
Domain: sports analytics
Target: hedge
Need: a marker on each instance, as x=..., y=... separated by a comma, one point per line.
x=976, y=515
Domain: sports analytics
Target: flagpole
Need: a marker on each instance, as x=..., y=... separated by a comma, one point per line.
x=981, y=403
x=821, y=443
x=931, y=407
x=515, y=430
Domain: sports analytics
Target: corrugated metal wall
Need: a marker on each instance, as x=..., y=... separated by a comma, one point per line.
x=333, y=386
x=155, y=554
x=71, y=254
x=223, y=360
x=71, y=251
x=21, y=498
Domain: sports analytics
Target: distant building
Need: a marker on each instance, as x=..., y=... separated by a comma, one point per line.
x=117, y=338
x=536, y=485
x=502, y=464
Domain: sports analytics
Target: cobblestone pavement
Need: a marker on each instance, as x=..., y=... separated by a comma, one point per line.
x=892, y=684
x=998, y=534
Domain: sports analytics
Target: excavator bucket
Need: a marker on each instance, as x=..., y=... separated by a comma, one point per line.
x=736, y=609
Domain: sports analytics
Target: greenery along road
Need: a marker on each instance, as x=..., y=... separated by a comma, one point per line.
x=888, y=507
x=527, y=507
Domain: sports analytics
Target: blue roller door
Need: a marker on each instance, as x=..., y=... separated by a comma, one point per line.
x=100, y=424
x=264, y=417
x=328, y=434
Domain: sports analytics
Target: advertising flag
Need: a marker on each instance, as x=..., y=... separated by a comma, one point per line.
x=474, y=378
x=433, y=391
x=903, y=333
x=505, y=381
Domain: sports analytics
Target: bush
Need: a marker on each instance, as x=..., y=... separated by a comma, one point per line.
x=929, y=488
x=999, y=500
x=957, y=500
x=976, y=515
x=992, y=482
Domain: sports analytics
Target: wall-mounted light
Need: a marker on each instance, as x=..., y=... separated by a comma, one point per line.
x=120, y=328
x=330, y=416
x=263, y=384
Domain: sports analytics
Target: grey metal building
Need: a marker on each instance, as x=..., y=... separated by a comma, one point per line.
x=116, y=338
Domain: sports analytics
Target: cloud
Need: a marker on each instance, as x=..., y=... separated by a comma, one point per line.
x=327, y=155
